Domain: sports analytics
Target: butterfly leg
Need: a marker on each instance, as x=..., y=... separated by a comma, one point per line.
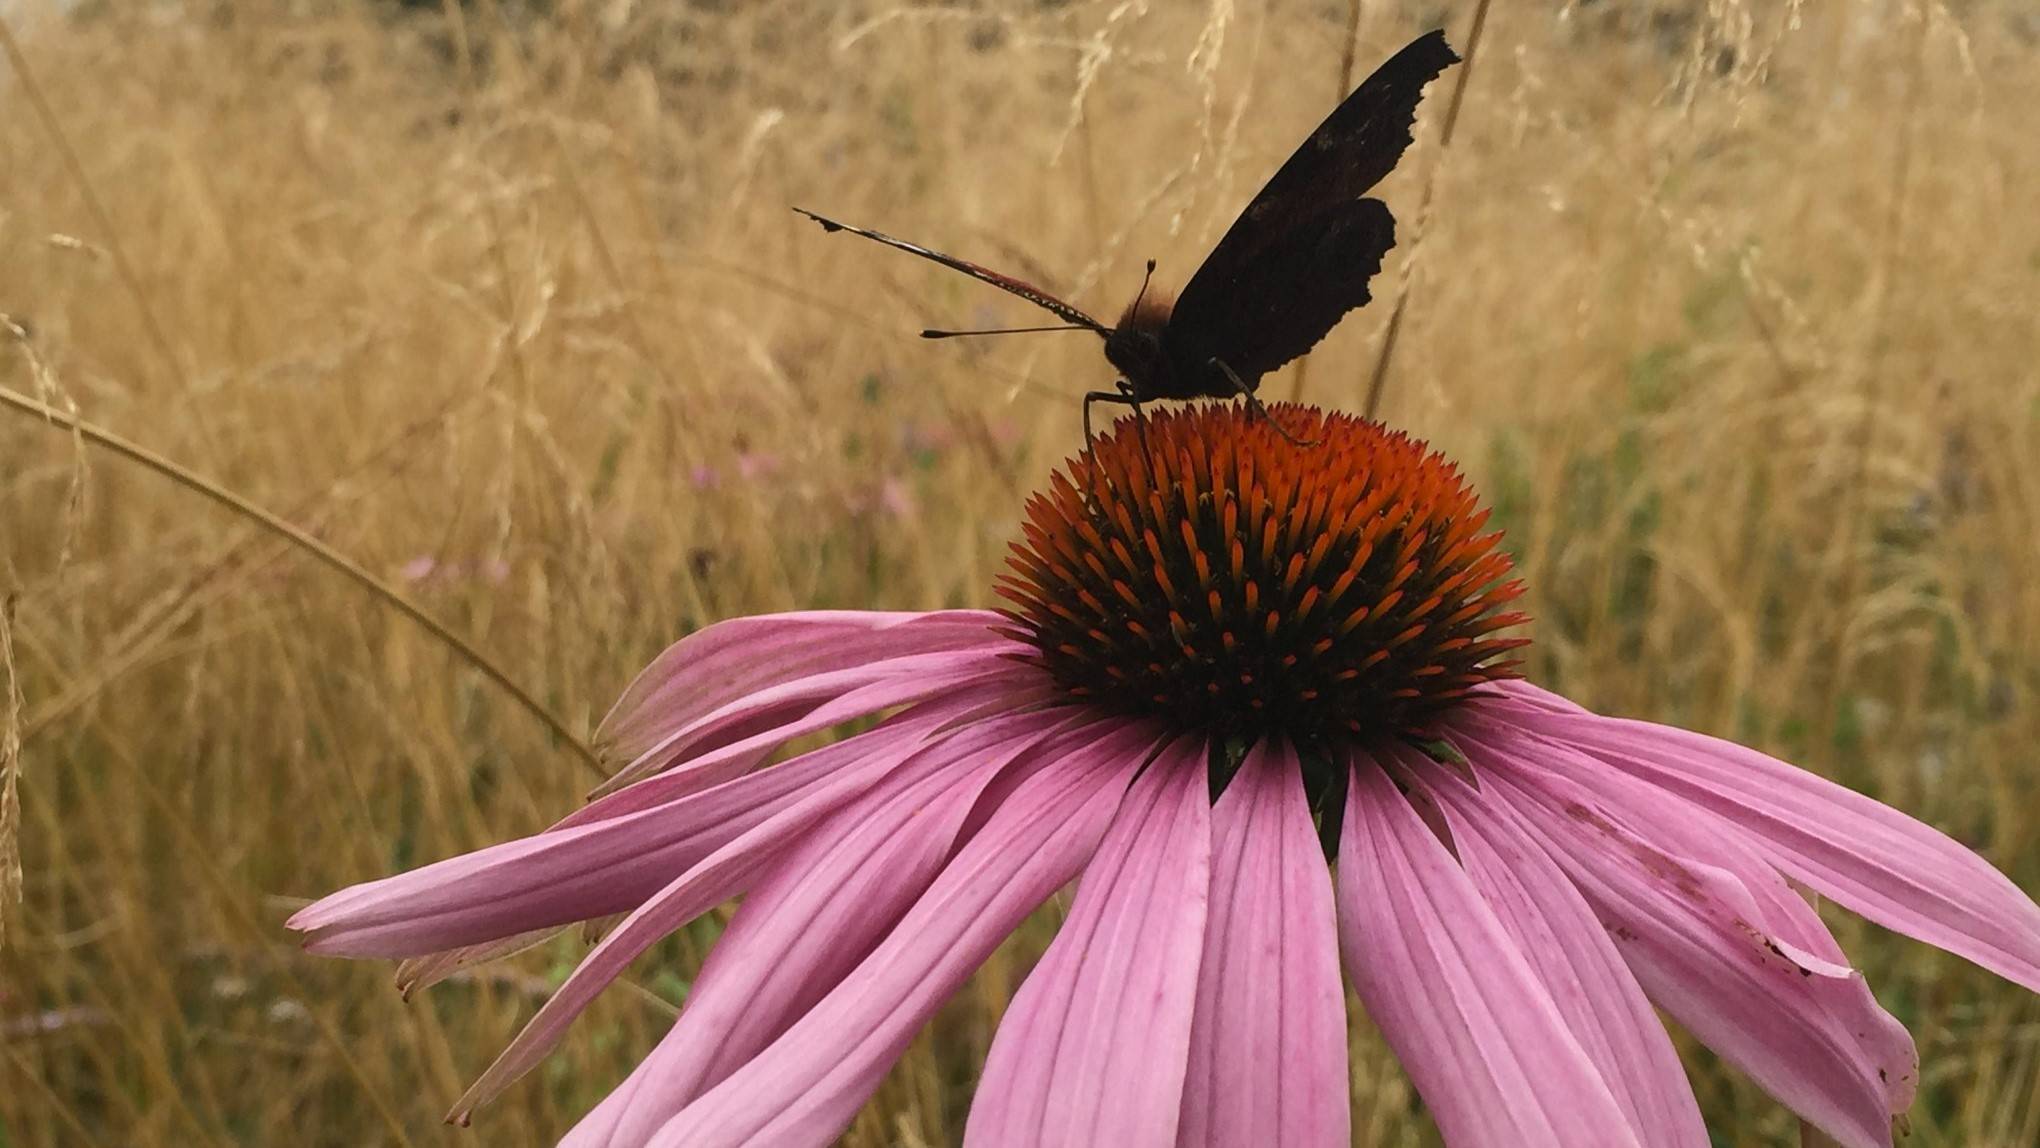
x=1121, y=396
x=1254, y=404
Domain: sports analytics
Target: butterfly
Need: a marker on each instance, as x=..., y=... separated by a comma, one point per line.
x=1289, y=268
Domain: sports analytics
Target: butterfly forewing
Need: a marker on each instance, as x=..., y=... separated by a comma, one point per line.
x=1300, y=255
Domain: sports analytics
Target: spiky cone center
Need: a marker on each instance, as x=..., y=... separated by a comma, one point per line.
x=1207, y=570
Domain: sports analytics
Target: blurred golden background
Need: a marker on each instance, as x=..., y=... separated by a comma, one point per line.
x=1728, y=307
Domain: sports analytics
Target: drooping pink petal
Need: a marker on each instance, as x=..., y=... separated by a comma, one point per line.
x=736, y=735
x=804, y=1088
x=414, y=973
x=1792, y=927
x=575, y=873
x=1860, y=853
x=735, y=659
x=1466, y=1014
x=1696, y=938
x=1268, y=1043
x=1093, y=1049
x=927, y=776
x=1555, y=929
x=806, y=925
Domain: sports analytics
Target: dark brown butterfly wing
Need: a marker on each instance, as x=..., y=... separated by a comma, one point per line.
x=1301, y=285
x=1301, y=254
x=1027, y=291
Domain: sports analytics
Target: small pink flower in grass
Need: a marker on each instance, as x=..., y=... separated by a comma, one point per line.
x=896, y=498
x=1308, y=634
x=754, y=466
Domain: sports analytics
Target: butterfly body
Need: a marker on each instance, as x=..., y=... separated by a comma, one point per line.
x=1295, y=261
x=1140, y=347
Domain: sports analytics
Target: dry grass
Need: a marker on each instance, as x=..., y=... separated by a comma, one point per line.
x=1728, y=306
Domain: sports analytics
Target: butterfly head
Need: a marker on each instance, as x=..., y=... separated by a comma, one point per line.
x=1149, y=310
x=1137, y=352
x=1135, y=344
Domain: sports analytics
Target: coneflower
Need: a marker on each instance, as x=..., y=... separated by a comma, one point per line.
x=1227, y=659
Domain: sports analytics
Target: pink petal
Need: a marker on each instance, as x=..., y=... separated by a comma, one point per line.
x=807, y=1085
x=1709, y=951
x=1860, y=853
x=414, y=973
x=924, y=724
x=1268, y=1045
x=738, y=734
x=1093, y=1049
x=1555, y=930
x=1474, y=1027
x=949, y=702
x=724, y=874
x=1794, y=927
x=806, y=925
x=571, y=874
x=1518, y=690
x=744, y=656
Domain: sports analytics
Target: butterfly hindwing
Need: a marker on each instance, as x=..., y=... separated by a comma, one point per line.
x=1278, y=307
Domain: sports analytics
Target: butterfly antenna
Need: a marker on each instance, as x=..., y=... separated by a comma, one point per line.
x=1144, y=281
x=935, y=333
x=1006, y=283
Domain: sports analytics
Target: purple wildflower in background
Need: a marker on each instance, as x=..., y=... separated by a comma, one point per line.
x=1226, y=659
